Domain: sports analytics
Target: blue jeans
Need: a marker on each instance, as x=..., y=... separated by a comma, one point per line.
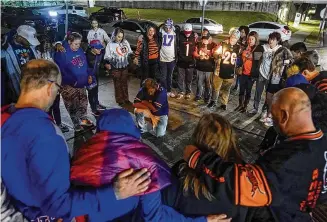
x=260, y=86
x=166, y=74
x=185, y=76
x=158, y=131
x=206, y=78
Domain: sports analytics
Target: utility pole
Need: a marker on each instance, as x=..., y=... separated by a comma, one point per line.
x=202, y=25
x=203, y=4
x=66, y=23
x=322, y=26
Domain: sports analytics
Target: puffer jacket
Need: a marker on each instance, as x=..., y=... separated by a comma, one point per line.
x=117, y=147
x=107, y=154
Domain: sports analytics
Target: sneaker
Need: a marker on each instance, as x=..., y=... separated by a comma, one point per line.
x=268, y=122
x=96, y=113
x=86, y=122
x=78, y=128
x=101, y=107
x=263, y=116
x=188, y=96
x=172, y=95
x=197, y=99
x=223, y=107
x=253, y=111
x=63, y=128
x=211, y=104
x=179, y=96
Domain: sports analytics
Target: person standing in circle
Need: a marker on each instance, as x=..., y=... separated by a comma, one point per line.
x=116, y=59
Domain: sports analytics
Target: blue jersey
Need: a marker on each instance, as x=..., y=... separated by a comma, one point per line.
x=159, y=100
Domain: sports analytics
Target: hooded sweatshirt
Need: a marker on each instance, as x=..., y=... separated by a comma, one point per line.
x=267, y=58
x=36, y=167
x=73, y=67
x=117, y=147
x=117, y=54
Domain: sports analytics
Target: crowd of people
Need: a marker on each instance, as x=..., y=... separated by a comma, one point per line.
x=114, y=176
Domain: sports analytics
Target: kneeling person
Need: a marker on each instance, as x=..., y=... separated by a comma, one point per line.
x=151, y=102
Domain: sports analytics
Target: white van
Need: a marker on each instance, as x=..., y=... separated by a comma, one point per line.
x=72, y=9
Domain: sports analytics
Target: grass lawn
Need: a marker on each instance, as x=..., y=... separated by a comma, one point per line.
x=226, y=18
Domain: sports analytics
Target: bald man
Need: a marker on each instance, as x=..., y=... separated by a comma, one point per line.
x=288, y=181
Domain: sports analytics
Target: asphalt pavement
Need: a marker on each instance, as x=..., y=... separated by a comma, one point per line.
x=183, y=117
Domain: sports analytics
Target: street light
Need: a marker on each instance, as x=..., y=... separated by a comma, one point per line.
x=203, y=4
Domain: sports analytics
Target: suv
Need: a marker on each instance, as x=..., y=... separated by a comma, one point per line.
x=264, y=28
x=108, y=14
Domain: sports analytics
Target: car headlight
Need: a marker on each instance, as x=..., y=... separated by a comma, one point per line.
x=53, y=13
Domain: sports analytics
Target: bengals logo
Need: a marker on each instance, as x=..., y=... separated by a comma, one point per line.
x=253, y=181
x=251, y=186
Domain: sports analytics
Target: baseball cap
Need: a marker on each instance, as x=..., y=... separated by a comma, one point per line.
x=96, y=44
x=235, y=33
x=29, y=33
x=188, y=27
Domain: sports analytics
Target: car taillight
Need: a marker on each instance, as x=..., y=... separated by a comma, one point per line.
x=285, y=31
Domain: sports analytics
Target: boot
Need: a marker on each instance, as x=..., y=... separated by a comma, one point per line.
x=240, y=103
x=246, y=102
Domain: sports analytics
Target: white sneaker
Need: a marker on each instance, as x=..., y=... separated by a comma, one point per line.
x=268, y=122
x=172, y=95
x=179, y=96
x=263, y=116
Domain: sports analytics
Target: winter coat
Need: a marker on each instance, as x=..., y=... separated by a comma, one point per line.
x=11, y=71
x=277, y=64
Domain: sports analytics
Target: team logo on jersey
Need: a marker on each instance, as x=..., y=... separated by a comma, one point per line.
x=122, y=50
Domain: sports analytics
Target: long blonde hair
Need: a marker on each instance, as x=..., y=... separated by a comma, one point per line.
x=213, y=133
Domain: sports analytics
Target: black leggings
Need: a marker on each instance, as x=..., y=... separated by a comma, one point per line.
x=246, y=83
x=151, y=70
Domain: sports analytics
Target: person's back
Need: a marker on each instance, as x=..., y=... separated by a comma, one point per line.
x=290, y=178
x=298, y=162
x=31, y=146
x=188, y=194
x=188, y=204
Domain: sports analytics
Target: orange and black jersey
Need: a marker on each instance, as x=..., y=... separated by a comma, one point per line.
x=229, y=55
x=290, y=178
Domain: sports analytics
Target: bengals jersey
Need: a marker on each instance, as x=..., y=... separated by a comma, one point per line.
x=228, y=57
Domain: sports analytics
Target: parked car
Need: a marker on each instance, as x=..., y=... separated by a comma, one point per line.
x=72, y=9
x=52, y=26
x=133, y=29
x=213, y=27
x=264, y=28
x=108, y=14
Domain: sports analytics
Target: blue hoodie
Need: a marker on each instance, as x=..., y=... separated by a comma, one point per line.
x=36, y=168
x=73, y=66
x=295, y=80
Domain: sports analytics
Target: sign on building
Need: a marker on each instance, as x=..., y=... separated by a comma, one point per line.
x=297, y=20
